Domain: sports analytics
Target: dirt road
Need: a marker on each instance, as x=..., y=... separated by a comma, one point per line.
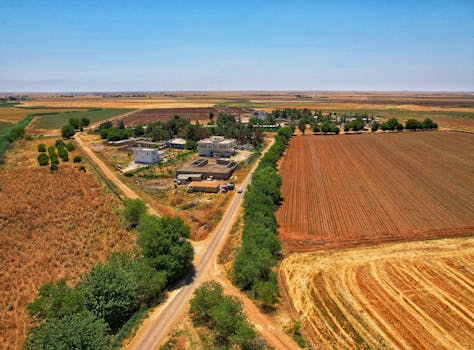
x=127, y=191
x=161, y=321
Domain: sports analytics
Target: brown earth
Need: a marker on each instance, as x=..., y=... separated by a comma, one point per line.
x=53, y=225
x=414, y=295
x=348, y=190
x=147, y=116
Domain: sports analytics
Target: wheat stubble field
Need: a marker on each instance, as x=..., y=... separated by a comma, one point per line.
x=352, y=190
x=52, y=225
x=412, y=295
x=380, y=218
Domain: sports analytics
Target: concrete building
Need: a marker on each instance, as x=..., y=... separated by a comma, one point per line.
x=221, y=169
x=147, y=155
x=176, y=143
x=262, y=115
x=217, y=146
x=204, y=186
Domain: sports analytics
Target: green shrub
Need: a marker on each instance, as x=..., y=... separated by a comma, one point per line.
x=77, y=159
x=41, y=147
x=70, y=146
x=133, y=210
x=43, y=159
x=67, y=131
x=59, y=143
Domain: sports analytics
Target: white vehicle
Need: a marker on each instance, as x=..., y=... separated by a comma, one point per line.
x=240, y=190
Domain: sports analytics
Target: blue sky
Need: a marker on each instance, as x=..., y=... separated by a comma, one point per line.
x=236, y=45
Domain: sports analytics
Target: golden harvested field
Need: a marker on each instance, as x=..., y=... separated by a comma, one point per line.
x=413, y=295
x=349, y=190
x=52, y=225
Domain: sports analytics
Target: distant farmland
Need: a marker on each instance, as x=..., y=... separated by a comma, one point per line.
x=413, y=295
x=351, y=190
x=56, y=121
x=147, y=116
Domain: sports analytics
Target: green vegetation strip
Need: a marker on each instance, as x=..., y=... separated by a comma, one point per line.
x=12, y=134
x=56, y=120
x=253, y=266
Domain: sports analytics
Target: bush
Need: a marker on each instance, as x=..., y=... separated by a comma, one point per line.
x=67, y=131
x=59, y=143
x=53, y=166
x=41, y=147
x=62, y=153
x=75, y=123
x=70, y=147
x=190, y=145
x=399, y=127
x=85, y=121
x=161, y=245
x=77, y=159
x=316, y=129
x=133, y=210
x=429, y=124
x=413, y=124
x=375, y=126
x=43, y=159
x=77, y=331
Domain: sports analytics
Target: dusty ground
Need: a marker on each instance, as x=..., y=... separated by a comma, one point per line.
x=358, y=189
x=416, y=295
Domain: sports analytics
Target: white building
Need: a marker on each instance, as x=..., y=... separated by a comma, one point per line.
x=217, y=146
x=147, y=155
x=262, y=115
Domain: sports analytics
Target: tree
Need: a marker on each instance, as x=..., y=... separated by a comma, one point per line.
x=162, y=245
x=41, y=147
x=392, y=123
x=111, y=291
x=400, y=127
x=70, y=147
x=67, y=131
x=413, y=124
x=75, y=123
x=302, y=125
x=43, y=159
x=316, y=129
x=56, y=301
x=205, y=297
x=190, y=145
x=429, y=124
x=132, y=211
x=77, y=159
x=384, y=126
x=76, y=331
x=85, y=121
x=375, y=126
x=211, y=115
x=325, y=127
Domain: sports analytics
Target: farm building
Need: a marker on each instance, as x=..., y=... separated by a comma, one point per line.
x=147, y=155
x=262, y=115
x=220, y=169
x=176, y=143
x=182, y=179
x=217, y=146
x=204, y=186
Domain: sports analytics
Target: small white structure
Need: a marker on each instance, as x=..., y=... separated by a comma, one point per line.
x=147, y=155
x=262, y=115
x=217, y=146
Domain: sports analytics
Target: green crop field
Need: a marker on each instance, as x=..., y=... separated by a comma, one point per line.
x=4, y=126
x=56, y=121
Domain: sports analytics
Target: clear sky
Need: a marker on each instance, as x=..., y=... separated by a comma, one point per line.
x=236, y=45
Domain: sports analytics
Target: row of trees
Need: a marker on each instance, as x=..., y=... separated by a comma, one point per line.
x=90, y=314
x=223, y=315
x=427, y=124
x=253, y=266
x=68, y=130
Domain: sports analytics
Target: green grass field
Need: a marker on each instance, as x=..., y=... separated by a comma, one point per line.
x=4, y=126
x=56, y=121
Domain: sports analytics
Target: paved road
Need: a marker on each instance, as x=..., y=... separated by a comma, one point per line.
x=161, y=321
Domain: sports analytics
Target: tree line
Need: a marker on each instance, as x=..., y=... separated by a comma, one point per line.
x=94, y=313
x=261, y=249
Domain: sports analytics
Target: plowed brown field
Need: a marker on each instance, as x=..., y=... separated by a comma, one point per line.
x=412, y=295
x=349, y=190
x=147, y=116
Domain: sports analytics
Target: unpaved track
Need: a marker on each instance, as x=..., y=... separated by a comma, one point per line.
x=127, y=191
x=161, y=321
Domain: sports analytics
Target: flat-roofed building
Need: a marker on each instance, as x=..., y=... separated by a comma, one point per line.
x=217, y=146
x=147, y=155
